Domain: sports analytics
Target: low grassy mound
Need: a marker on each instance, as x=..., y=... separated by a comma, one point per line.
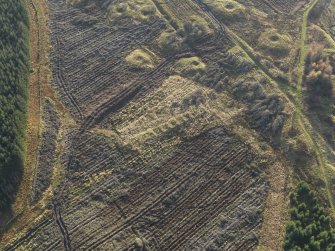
x=274, y=43
x=227, y=10
x=170, y=42
x=137, y=11
x=140, y=60
x=14, y=69
x=190, y=67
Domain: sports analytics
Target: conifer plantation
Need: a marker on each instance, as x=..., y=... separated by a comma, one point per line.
x=14, y=69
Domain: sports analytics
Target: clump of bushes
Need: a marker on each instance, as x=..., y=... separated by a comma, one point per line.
x=266, y=112
x=194, y=29
x=194, y=99
x=14, y=69
x=318, y=74
x=319, y=78
x=309, y=227
x=190, y=33
x=249, y=91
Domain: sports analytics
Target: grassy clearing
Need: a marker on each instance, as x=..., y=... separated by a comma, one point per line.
x=179, y=107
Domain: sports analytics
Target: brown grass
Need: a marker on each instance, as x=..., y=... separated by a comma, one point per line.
x=275, y=214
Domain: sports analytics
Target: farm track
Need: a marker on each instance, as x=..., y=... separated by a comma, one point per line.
x=37, y=99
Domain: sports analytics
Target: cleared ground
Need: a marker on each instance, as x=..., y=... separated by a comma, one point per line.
x=172, y=127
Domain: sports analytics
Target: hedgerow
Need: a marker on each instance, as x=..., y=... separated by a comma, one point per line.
x=14, y=69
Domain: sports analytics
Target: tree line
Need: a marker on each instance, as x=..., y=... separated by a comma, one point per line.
x=14, y=70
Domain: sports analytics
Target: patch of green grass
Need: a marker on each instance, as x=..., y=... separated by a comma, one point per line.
x=274, y=43
x=189, y=67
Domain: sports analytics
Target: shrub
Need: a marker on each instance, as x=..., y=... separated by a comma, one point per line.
x=318, y=73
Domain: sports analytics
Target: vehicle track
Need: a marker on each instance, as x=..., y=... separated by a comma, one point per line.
x=59, y=220
x=60, y=77
x=157, y=200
